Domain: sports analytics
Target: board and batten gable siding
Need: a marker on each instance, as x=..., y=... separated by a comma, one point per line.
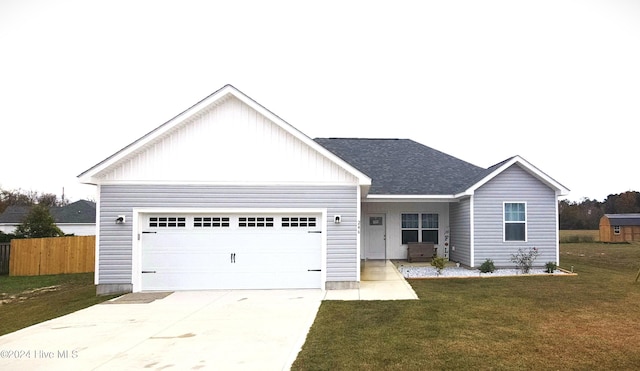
x=514, y=185
x=460, y=224
x=115, y=240
x=229, y=142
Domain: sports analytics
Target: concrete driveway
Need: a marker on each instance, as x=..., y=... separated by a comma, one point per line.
x=188, y=330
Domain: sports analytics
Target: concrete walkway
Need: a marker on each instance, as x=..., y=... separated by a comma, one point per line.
x=189, y=330
x=185, y=330
x=379, y=280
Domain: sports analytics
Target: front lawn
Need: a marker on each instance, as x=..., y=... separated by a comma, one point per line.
x=589, y=321
x=25, y=301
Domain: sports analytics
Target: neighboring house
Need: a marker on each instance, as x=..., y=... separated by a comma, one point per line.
x=228, y=195
x=620, y=227
x=77, y=218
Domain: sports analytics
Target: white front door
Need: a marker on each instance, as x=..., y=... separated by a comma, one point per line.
x=376, y=237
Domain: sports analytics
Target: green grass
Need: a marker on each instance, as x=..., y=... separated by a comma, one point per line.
x=588, y=321
x=584, y=235
x=25, y=301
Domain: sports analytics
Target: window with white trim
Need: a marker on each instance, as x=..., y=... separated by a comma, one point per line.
x=417, y=227
x=515, y=221
x=616, y=229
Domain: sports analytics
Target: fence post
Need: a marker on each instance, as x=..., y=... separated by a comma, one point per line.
x=5, y=255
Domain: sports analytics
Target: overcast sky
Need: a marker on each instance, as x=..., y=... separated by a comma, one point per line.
x=556, y=82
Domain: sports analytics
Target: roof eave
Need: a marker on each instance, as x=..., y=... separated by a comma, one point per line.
x=410, y=198
x=537, y=173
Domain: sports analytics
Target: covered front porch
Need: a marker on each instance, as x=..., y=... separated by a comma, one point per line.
x=389, y=227
x=379, y=280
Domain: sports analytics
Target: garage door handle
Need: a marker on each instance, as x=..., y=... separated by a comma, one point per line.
x=148, y=271
x=314, y=270
x=233, y=257
x=314, y=232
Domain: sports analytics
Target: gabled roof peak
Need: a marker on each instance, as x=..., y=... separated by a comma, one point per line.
x=496, y=169
x=186, y=117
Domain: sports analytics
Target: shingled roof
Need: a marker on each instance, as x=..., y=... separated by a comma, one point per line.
x=79, y=212
x=14, y=214
x=624, y=219
x=405, y=167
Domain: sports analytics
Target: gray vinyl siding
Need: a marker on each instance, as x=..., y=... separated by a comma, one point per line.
x=115, y=240
x=460, y=229
x=514, y=185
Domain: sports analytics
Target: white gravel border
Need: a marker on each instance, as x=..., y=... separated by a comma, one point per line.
x=449, y=272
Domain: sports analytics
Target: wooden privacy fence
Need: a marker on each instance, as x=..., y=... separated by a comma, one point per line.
x=55, y=255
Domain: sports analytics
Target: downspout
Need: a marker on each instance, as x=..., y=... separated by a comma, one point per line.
x=557, y=230
x=96, y=275
x=472, y=232
x=358, y=230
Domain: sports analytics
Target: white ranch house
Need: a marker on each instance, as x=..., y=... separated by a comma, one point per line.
x=228, y=195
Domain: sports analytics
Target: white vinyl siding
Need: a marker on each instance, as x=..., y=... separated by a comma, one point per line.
x=460, y=231
x=514, y=185
x=115, y=241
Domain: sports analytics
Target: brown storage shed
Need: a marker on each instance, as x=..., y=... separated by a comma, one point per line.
x=620, y=227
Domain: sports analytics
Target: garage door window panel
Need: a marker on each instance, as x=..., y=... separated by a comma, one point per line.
x=211, y=222
x=298, y=222
x=167, y=222
x=256, y=222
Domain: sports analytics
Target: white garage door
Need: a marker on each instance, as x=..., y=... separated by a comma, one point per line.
x=207, y=251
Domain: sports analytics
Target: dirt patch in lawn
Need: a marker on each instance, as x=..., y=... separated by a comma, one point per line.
x=6, y=298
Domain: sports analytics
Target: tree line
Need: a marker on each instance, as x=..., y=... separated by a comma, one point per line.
x=586, y=213
x=29, y=198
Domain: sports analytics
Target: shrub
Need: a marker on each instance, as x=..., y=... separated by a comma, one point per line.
x=38, y=223
x=6, y=237
x=487, y=266
x=524, y=259
x=551, y=267
x=438, y=262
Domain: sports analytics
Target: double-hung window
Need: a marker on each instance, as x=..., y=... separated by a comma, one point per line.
x=419, y=228
x=515, y=221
